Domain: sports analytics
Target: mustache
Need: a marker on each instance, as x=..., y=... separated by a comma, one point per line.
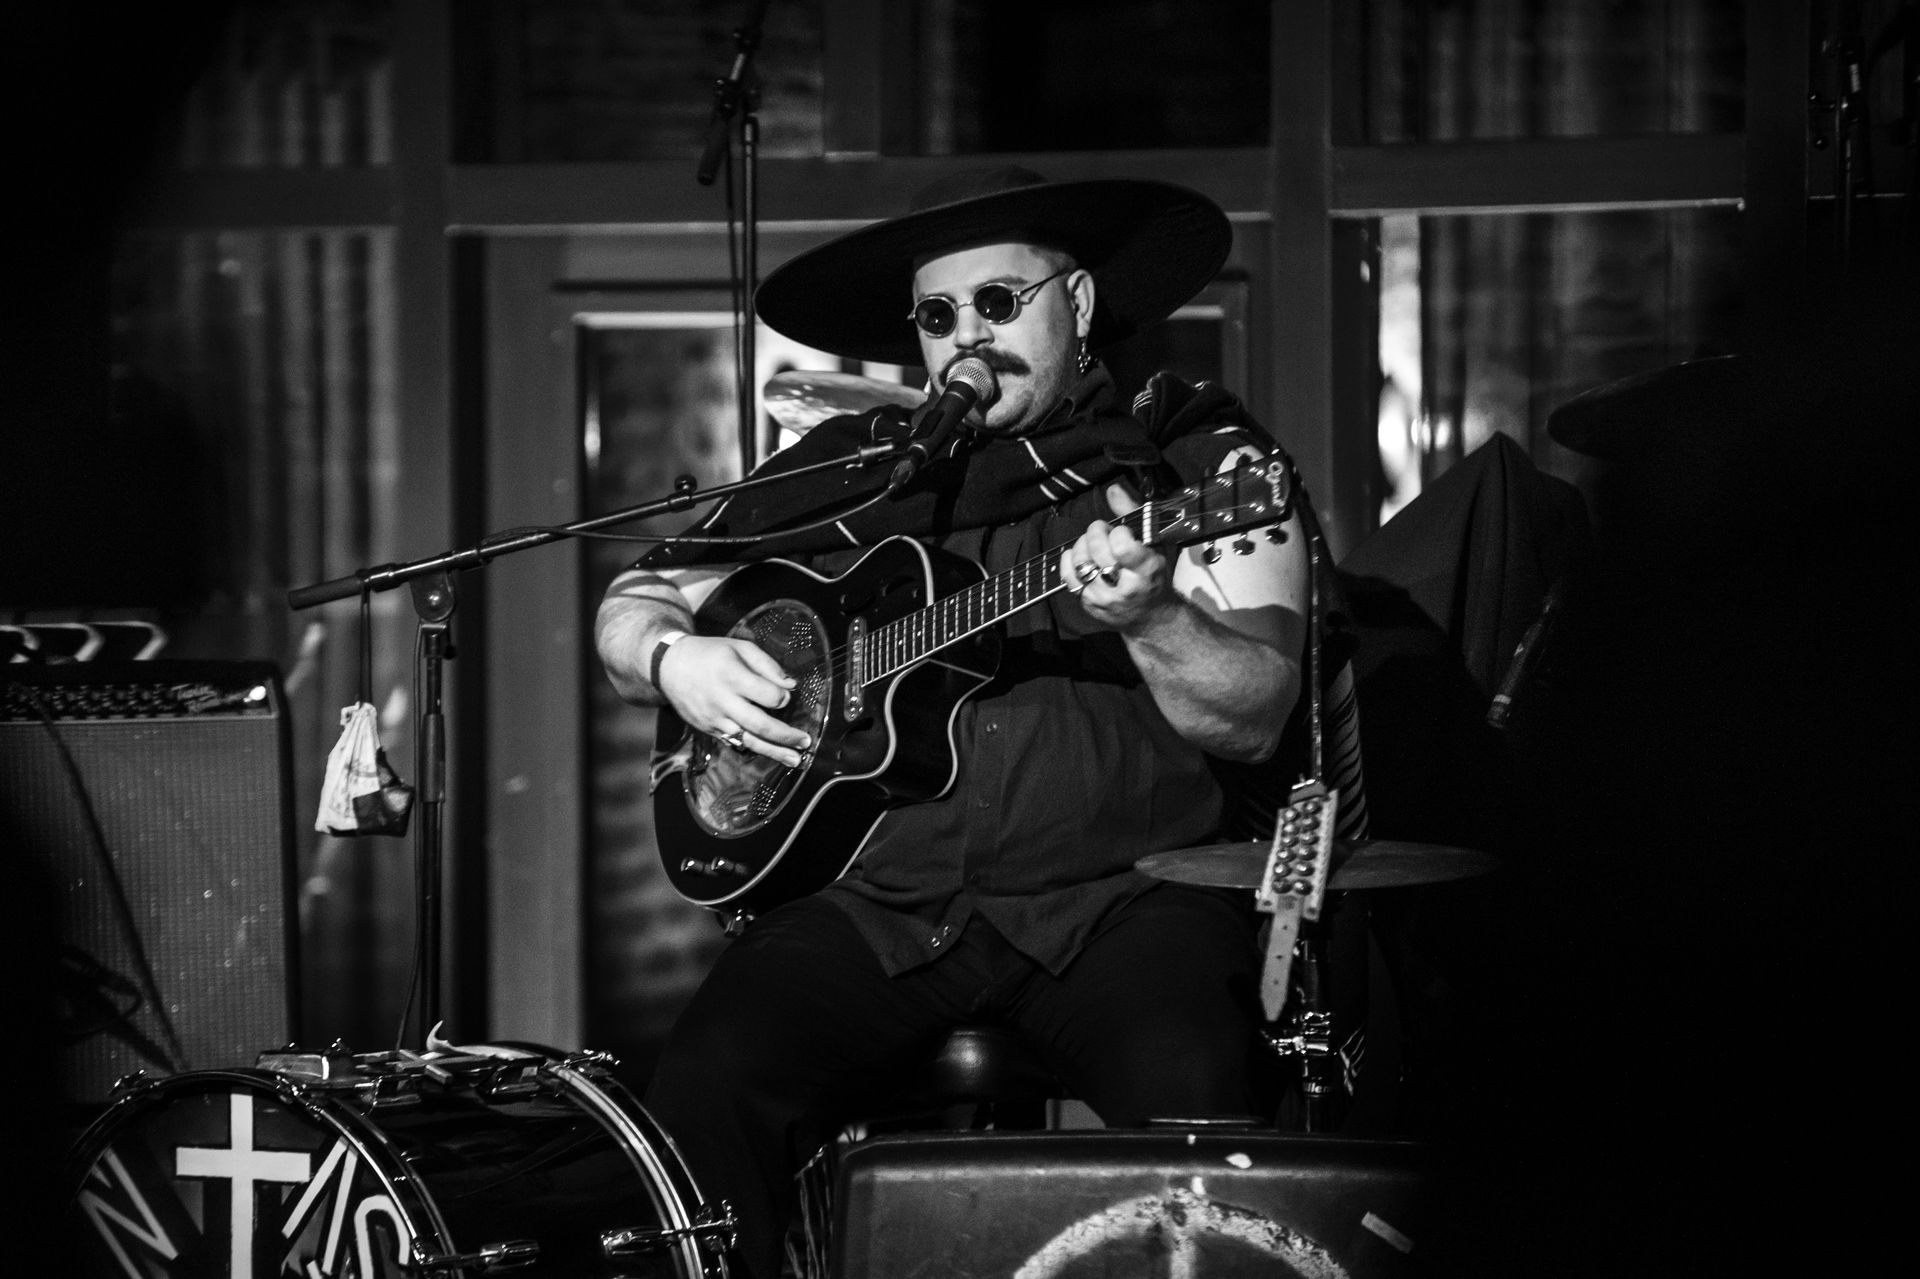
x=998, y=361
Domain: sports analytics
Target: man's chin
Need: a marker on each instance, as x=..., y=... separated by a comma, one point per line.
x=1006, y=418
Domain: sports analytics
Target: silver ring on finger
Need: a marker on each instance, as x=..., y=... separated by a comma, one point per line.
x=736, y=739
x=1085, y=571
x=1110, y=575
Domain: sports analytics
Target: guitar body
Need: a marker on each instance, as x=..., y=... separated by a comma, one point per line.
x=882, y=657
x=740, y=832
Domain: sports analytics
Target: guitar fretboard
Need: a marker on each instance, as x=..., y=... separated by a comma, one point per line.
x=1245, y=497
x=898, y=645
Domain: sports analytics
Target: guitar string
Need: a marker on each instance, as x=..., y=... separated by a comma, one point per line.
x=900, y=634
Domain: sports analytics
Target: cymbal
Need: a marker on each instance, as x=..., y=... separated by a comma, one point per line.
x=801, y=399
x=1714, y=396
x=1370, y=863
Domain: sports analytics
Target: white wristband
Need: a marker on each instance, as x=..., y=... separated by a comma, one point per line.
x=660, y=648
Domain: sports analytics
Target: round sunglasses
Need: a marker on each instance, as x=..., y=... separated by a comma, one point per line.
x=938, y=315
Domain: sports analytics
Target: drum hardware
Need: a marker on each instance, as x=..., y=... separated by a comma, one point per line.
x=514, y=1080
x=589, y=1059
x=1311, y=1036
x=1358, y=865
x=131, y=1084
x=715, y=1228
x=391, y=1165
x=393, y=1078
x=294, y=1062
x=1308, y=1036
x=493, y=1256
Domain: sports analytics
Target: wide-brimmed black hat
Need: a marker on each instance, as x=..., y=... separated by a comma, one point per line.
x=1149, y=245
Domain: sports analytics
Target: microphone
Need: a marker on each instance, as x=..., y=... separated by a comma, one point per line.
x=969, y=382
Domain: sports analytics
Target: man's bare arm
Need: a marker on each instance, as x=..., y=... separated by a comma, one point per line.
x=717, y=685
x=1218, y=644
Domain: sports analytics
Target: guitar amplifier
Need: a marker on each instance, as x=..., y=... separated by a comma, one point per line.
x=146, y=810
x=1174, y=1200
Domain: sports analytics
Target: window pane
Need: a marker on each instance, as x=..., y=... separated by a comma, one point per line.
x=302, y=84
x=1197, y=343
x=634, y=80
x=254, y=446
x=1087, y=75
x=1489, y=323
x=1438, y=70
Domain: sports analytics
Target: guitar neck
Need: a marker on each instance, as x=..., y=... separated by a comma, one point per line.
x=899, y=644
x=1246, y=497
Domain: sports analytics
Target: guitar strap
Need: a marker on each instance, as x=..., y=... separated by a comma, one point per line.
x=1298, y=858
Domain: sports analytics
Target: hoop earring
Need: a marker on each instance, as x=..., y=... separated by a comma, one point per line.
x=1085, y=358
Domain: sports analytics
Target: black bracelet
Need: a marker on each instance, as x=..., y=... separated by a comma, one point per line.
x=660, y=648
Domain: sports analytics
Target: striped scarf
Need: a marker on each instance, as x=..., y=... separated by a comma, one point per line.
x=980, y=481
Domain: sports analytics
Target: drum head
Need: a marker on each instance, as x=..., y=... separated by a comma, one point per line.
x=400, y=1165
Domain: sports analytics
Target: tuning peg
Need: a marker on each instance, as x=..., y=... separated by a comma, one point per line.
x=1211, y=554
x=1243, y=545
x=1275, y=533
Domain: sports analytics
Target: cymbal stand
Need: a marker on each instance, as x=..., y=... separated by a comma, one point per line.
x=1305, y=1034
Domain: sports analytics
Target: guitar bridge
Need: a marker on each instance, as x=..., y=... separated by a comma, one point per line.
x=856, y=700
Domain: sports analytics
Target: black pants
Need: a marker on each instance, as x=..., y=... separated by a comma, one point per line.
x=798, y=1029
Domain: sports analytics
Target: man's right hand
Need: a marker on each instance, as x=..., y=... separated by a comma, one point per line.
x=729, y=688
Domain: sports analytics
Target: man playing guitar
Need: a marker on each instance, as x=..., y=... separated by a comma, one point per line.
x=1089, y=729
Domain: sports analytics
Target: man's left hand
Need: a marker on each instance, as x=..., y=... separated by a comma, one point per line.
x=1121, y=581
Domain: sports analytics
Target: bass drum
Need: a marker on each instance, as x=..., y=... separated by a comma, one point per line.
x=486, y=1160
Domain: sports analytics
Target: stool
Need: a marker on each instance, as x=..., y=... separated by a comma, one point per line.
x=981, y=1076
x=988, y=1069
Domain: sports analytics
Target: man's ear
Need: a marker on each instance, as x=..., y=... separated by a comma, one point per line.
x=1080, y=289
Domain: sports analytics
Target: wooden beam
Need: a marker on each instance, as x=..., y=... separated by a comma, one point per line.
x=429, y=519
x=822, y=192
x=1522, y=176
x=1300, y=340
x=267, y=199
x=1538, y=175
x=852, y=34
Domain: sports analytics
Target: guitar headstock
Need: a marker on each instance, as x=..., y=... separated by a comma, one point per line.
x=1252, y=495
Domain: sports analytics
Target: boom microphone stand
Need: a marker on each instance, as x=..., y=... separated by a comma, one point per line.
x=434, y=600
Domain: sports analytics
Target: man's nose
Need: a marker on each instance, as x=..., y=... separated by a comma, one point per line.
x=969, y=330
